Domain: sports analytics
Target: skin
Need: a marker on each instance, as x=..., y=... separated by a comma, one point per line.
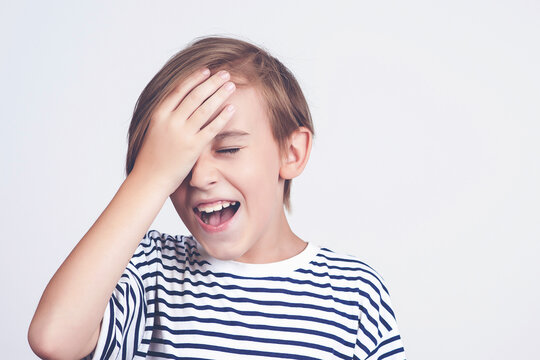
x=175, y=157
x=242, y=165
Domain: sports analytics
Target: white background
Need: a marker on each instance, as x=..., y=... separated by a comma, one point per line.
x=425, y=162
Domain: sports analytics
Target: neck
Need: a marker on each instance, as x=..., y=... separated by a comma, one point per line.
x=277, y=244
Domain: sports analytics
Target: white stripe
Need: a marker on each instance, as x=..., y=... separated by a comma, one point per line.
x=234, y=307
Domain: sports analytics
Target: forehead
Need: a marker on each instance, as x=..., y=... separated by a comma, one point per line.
x=251, y=113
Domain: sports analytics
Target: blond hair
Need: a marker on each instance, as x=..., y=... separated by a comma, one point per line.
x=286, y=105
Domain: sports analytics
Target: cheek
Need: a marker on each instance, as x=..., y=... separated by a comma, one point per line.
x=178, y=199
x=258, y=177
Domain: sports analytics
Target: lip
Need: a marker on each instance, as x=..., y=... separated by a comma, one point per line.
x=221, y=227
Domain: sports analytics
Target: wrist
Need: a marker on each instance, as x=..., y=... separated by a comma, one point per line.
x=152, y=183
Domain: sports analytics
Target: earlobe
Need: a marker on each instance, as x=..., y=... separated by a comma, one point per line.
x=296, y=154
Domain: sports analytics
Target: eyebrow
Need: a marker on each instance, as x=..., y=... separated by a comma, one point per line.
x=231, y=133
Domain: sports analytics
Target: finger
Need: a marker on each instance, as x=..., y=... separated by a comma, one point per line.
x=211, y=106
x=200, y=93
x=172, y=100
x=215, y=126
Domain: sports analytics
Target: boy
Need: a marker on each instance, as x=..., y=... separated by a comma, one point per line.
x=222, y=130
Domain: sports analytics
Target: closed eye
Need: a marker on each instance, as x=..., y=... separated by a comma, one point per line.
x=228, y=151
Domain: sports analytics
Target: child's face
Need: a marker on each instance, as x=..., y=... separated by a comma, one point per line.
x=241, y=165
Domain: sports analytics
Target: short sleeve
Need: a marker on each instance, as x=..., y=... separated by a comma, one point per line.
x=378, y=336
x=125, y=317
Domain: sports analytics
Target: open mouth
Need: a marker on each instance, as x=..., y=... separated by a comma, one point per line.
x=218, y=213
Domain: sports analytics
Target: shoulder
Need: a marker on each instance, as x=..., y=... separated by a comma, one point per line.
x=350, y=272
x=350, y=267
x=156, y=244
x=376, y=314
x=157, y=238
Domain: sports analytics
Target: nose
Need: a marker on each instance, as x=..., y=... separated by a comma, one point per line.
x=204, y=173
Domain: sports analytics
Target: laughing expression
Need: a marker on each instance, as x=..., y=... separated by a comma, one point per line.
x=232, y=200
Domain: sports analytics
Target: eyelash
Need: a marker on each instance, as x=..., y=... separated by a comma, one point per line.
x=228, y=151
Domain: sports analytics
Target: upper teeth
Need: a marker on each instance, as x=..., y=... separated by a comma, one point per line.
x=216, y=207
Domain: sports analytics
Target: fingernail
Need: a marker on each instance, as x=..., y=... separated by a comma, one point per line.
x=229, y=86
x=230, y=108
x=206, y=72
x=224, y=74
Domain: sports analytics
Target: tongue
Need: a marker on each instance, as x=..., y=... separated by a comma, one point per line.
x=214, y=218
x=219, y=217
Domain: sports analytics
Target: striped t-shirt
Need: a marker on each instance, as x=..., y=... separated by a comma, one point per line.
x=175, y=301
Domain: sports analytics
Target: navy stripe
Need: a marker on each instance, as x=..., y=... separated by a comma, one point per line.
x=170, y=293
x=390, y=353
x=138, y=298
x=156, y=235
x=369, y=317
x=186, y=243
x=388, y=308
x=181, y=241
x=111, y=339
x=343, y=259
x=258, y=289
x=248, y=338
x=122, y=280
x=331, y=276
x=343, y=268
x=119, y=326
x=361, y=346
x=189, y=242
x=363, y=293
x=162, y=244
x=159, y=260
x=157, y=248
x=360, y=278
x=249, y=326
x=144, y=313
x=190, y=262
x=317, y=320
x=385, y=324
x=134, y=319
x=367, y=333
x=116, y=302
x=301, y=305
x=170, y=356
x=383, y=343
x=126, y=325
x=229, y=350
x=137, y=278
x=366, y=296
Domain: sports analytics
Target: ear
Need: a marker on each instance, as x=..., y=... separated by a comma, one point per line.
x=296, y=155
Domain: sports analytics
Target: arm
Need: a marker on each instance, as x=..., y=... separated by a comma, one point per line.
x=66, y=324
x=378, y=335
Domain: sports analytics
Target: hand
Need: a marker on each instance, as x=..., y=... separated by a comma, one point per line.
x=180, y=128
